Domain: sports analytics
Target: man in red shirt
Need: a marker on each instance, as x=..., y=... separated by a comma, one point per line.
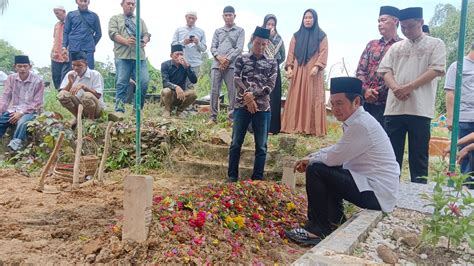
x=374, y=89
x=59, y=60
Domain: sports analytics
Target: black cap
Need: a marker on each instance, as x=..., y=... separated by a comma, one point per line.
x=261, y=32
x=75, y=56
x=411, y=12
x=346, y=85
x=228, y=9
x=176, y=48
x=22, y=59
x=389, y=10
x=425, y=28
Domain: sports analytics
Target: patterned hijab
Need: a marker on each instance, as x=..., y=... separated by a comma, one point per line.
x=308, y=39
x=267, y=18
x=273, y=47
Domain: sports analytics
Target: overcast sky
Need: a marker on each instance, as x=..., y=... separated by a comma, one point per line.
x=349, y=24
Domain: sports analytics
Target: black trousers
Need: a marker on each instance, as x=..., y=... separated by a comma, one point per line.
x=376, y=111
x=418, y=129
x=326, y=187
x=58, y=72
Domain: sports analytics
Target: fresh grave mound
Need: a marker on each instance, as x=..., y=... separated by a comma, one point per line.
x=239, y=222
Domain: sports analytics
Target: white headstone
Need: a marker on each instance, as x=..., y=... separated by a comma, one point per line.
x=137, y=203
x=289, y=177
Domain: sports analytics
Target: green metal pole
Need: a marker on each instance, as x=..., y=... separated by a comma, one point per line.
x=138, y=91
x=457, y=92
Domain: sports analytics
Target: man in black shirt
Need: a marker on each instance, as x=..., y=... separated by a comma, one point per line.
x=174, y=73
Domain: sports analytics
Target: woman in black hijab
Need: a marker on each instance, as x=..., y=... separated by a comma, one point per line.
x=305, y=110
x=275, y=49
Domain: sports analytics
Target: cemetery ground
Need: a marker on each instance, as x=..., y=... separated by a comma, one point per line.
x=197, y=217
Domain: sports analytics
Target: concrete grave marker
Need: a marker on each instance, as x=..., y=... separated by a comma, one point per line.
x=137, y=203
x=289, y=177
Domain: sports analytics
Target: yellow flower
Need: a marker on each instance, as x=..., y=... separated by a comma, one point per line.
x=240, y=221
x=189, y=206
x=186, y=259
x=228, y=220
x=167, y=201
x=290, y=206
x=215, y=242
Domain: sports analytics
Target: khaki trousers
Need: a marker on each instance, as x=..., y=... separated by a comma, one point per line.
x=91, y=104
x=169, y=99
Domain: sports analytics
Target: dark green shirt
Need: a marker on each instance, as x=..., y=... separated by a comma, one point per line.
x=117, y=26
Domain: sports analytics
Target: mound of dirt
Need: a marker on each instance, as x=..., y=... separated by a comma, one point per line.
x=240, y=222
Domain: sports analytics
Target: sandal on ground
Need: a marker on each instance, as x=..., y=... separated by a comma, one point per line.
x=301, y=236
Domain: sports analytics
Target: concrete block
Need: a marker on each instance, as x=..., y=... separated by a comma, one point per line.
x=343, y=241
x=137, y=203
x=289, y=177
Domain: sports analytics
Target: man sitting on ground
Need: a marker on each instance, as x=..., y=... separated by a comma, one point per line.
x=22, y=99
x=82, y=85
x=361, y=168
x=174, y=73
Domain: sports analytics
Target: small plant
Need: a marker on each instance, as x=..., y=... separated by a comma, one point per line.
x=453, y=215
x=43, y=132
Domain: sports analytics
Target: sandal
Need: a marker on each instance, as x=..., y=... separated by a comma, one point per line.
x=301, y=236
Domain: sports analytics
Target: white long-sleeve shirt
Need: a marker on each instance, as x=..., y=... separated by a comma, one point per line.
x=365, y=150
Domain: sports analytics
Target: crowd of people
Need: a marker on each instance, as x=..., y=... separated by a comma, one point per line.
x=392, y=96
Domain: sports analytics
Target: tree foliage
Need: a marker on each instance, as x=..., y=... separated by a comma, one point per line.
x=445, y=25
x=7, y=56
x=155, y=84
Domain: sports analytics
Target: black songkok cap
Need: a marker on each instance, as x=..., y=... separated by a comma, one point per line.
x=346, y=85
x=411, y=12
x=262, y=33
x=228, y=9
x=176, y=48
x=22, y=59
x=389, y=10
x=75, y=56
x=426, y=29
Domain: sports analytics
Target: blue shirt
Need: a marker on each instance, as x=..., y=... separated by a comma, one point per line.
x=81, y=34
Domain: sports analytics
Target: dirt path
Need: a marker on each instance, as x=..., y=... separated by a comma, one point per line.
x=43, y=228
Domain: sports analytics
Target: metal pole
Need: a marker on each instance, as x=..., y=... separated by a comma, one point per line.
x=457, y=92
x=138, y=91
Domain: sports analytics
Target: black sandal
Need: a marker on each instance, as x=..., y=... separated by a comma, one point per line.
x=301, y=236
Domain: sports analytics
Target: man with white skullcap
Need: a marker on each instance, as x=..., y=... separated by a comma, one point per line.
x=59, y=61
x=193, y=41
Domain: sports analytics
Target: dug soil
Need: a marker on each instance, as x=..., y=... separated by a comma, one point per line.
x=83, y=226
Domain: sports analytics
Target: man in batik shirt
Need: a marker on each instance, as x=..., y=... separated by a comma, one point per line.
x=375, y=90
x=254, y=76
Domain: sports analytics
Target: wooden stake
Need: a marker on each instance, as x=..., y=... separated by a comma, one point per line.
x=51, y=159
x=77, y=158
x=105, y=153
